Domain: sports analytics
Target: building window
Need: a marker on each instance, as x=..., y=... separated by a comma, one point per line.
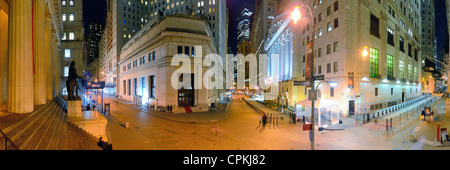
x=392, y=91
x=329, y=68
x=64, y=17
x=376, y=91
x=336, y=67
x=329, y=49
x=71, y=2
x=336, y=23
x=336, y=46
x=150, y=57
x=402, y=44
x=409, y=72
x=336, y=5
x=374, y=61
x=374, y=26
x=63, y=3
x=124, y=87
x=154, y=56
x=390, y=38
x=401, y=69
x=67, y=53
x=71, y=17
x=66, y=71
x=71, y=35
x=152, y=87
x=415, y=73
x=180, y=50
x=390, y=67
x=64, y=37
x=129, y=86
x=331, y=91
x=329, y=27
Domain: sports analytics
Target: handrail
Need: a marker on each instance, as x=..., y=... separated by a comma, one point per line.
x=7, y=139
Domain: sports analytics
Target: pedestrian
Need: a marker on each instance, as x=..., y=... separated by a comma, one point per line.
x=93, y=107
x=264, y=119
x=168, y=108
x=431, y=115
x=259, y=119
x=422, y=115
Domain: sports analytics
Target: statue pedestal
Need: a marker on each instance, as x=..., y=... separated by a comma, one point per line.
x=74, y=108
x=92, y=122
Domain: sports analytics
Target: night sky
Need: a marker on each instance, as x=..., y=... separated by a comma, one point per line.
x=94, y=10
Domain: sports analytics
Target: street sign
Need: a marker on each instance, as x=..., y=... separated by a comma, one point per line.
x=95, y=85
x=312, y=95
x=320, y=77
x=306, y=127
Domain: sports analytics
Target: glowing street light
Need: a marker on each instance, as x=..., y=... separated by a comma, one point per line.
x=365, y=52
x=296, y=15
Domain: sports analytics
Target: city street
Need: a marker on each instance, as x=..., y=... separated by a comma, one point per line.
x=239, y=130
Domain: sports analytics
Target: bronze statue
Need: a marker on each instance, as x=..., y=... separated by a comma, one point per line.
x=71, y=83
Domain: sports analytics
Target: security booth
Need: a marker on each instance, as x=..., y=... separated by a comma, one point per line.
x=326, y=112
x=94, y=94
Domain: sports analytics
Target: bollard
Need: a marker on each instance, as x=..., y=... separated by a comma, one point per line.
x=391, y=122
x=438, y=131
x=387, y=124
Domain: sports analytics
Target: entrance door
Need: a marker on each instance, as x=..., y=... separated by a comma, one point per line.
x=403, y=97
x=186, y=97
x=351, y=107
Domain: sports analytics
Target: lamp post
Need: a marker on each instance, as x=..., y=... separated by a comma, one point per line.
x=296, y=16
x=365, y=53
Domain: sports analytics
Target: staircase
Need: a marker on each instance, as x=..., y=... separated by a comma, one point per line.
x=46, y=128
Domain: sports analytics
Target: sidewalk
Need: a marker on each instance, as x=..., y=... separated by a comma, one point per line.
x=190, y=118
x=346, y=122
x=427, y=132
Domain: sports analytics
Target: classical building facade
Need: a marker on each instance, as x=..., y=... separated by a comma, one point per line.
x=146, y=63
x=30, y=34
x=72, y=41
x=390, y=74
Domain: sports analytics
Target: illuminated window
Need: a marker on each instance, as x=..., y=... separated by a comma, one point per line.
x=71, y=35
x=67, y=53
x=64, y=17
x=71, y=2
x=71, y=17
x=374, y=62
x=63, y=2
x=390, y=66
x=66, y=71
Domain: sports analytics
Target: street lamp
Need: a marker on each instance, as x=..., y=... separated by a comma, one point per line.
x=296, y=16
x=364, y=53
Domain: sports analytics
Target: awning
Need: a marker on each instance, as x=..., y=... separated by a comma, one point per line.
x=307, y=102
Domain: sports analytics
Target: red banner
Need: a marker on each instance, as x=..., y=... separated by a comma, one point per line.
x=309, y=62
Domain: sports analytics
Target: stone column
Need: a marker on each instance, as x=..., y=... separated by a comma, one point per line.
x=39, y=53
x=20, y=71
x=48, y=58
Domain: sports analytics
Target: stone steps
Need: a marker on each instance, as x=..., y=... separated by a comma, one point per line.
x=47, y=128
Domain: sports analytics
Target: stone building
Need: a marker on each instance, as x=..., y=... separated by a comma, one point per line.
x=389, y=74
x=146, y=63
x=72, y=41
x=30, y=34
